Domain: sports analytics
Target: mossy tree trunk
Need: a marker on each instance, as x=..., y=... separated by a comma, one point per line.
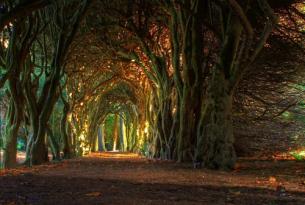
x=215, y=133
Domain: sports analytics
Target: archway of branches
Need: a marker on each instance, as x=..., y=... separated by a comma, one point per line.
x=179, y=80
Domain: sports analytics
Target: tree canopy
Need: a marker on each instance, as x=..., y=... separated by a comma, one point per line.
x=177, y=79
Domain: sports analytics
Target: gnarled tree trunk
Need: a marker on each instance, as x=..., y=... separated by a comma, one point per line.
x=10, y=140
x=38, y=150
x=215, y=134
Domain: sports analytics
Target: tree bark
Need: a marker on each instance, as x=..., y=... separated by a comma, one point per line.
x=10, y=141
x=39, y=151
x=215, y=134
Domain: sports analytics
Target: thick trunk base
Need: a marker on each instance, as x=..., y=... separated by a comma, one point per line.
x=9, y=155
x=219, y=150
x=39, y=154
x=10, y=148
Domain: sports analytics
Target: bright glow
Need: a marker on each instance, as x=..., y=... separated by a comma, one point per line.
x=79, y=87
x=146, y=127
x=299, y=153
x=82, y=136
x=69, y=117
x=4, y=43
x=83, y=141
x=138, y=132
x=174, y=110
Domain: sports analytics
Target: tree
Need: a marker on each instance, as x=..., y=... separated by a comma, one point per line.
x=61, y=32
x=17, y=52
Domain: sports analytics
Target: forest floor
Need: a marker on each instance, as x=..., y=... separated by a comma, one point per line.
x=122, y=178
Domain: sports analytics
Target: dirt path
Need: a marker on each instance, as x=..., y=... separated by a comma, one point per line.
x=116, y=178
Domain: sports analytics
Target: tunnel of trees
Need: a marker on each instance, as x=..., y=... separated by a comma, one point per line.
x=184, y=80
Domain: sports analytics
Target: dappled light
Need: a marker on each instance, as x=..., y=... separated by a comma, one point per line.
x=152, y=102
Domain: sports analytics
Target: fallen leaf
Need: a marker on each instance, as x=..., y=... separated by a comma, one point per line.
x=94, y=194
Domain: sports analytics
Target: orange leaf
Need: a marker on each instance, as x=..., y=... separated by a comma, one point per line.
x=272, y=179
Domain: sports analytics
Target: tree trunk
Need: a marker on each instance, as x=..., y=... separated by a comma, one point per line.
x=185, y=128
x=15, y=114
x=189, y=119
x=64, y=132
x=53, y=144
x=166, y=125
x=10, y=141
x=10, y=150
x=16, y=55
x=115, y=133
x=122, y=135
x=191, y=88
x=215, y=134
x=39, y=151
x=1, y=143
x=101, y=139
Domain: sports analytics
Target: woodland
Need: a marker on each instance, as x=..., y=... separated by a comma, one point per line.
x=176, y=87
